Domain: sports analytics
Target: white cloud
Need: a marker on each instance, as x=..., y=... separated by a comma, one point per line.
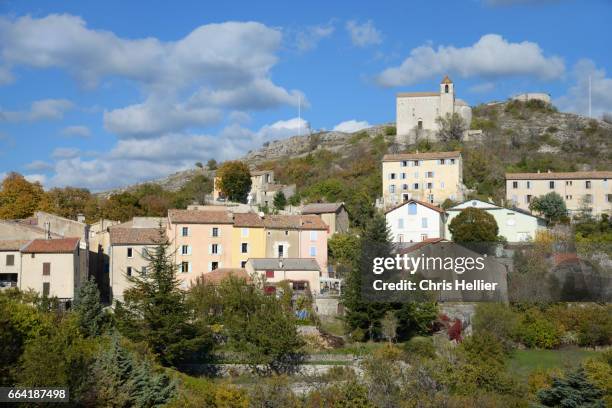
x=76, y=131
x=283, y=129
x=577, y=98
x=350, y=126
x=482, y=87
x=65, y=153
x=491, y=56
x=364, y=34
x=32, y=178
x=45, y=109
x=39, y=165
x=184, y=82
x=308, y=39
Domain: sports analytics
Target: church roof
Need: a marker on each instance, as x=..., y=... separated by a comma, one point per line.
x=446, y=80
x=417, y=94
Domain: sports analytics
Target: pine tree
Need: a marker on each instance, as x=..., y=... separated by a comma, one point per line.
x=151, y=389
x=573, y=391
x=280, y=201
x=112, y=374
x=155, y=311
x=87, y=305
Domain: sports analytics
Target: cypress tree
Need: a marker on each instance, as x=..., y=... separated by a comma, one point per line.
x=87, y=305
x=573, y=391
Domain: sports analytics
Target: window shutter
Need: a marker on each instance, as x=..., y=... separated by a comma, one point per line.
x=209, y=250
x=189, y=250
x=46, y=268
x=189, y=266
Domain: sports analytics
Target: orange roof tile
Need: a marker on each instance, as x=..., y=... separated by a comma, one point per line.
x=200, y=217
x=560, y=176
x=421, y=156
x=51, y=246
x=134, y=236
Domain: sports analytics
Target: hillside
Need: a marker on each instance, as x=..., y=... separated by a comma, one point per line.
x=516, y=136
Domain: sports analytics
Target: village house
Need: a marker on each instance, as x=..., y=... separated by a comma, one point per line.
x=248, y=239
x=581, y=190
x=296, y=236
x=333, y=214
x=302, y=274
x=263, y=188
x=128, y=256
x=432, y=177
x=415, y=221
x=10, y=262
x=52, y=267
x=515, y=225
x=203, y=241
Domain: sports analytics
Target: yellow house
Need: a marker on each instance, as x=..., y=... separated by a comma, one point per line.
x=248, y=239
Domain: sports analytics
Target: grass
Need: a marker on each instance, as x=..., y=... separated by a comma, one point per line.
x=332, y=325
x=523, y=362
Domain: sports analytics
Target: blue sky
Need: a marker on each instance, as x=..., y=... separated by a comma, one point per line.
x=104, y=94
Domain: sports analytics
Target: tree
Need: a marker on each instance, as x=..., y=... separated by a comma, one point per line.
x=67, y=202
x=199, y=165
x=211, y=164
x=88, y=308
x=155, y=311
x=389, y=326
x=573, y=391
x=122, y=207
x=451, y=127
x=193, y=191
x=280, y=201
x=18, y=197
x=234, y=180
x=473, y=225
x=551, y=205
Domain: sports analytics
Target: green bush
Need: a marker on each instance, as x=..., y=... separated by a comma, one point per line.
x=536, y=331
x=390, y=130
x=420, y=347
x=595, y=329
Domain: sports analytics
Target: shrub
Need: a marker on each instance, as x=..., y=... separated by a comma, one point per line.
x=535, y=331
x=390, y=130
x=595, y=328
x=496, y=319
x=420, y=347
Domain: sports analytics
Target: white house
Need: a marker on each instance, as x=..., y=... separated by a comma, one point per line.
x=415, y=221
x=514, y=224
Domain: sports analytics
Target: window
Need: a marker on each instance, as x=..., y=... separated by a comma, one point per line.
x=243, y=264
x=128, y=271
x=568, y=183
x=423, y=237
x=313, y=251
x=406, y=196
x=430, y=198
x=214, y=249
x=429, y=174
x=441, y=161
x=313, y=235
x=400, y=223
x=452, y=161
x=46, y=268
x=130, y=253
x=244, y=247
x=568, y=197
x=415, y=186
x=528, y=184
x=429, y=186
x=391, y=176
x=412, y=208
x=404, y=163
x=392, y=188
x=245, y=232
x=185, y=231
x=400, y=238
x=281, y=251
x=269, y=274
x=420, y=124
x=403, y=177
x=286, y=232
x=446, y=88
x=10, y=260
x=215, y=232
x=609, y=198
x=588, y=198
x=515, y=184
x=46, y=288
x=186, y=250
x=528, y=198
x=404, y=186
x=424, y=222
x=551, y=184
x=587, y=184
x=214, y=265
x=416, y=162
x=185, y=267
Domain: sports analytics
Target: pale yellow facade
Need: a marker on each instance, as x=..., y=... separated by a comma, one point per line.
x=580, y=190
x=431, y=177
x=247, y=242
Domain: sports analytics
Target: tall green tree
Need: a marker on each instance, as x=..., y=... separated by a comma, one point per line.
x=551, y=206
x=88, y=308
x=474, y=225
x=572, y=391
x=234, y=178
x=155, y=311
x=18, y=197
x=280, y=201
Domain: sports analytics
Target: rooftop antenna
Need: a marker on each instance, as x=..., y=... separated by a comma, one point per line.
x=590, y=116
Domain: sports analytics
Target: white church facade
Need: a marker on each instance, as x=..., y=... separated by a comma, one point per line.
x=419, y=111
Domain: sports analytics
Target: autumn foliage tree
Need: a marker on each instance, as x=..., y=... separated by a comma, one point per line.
x=474, y=225
x=19, y=198
x=234, y=178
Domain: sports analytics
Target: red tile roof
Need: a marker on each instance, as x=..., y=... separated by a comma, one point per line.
x=134, y=236
x=321, y=208
x=421, y=244
x=299, y=222
x=423, y=203
x=218, y=275
x=51, y=246
x=200, y=217
x=251, y=220
x=421, y=156
x=560, y=176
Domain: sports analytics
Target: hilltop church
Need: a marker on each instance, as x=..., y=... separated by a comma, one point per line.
x=418, y=111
